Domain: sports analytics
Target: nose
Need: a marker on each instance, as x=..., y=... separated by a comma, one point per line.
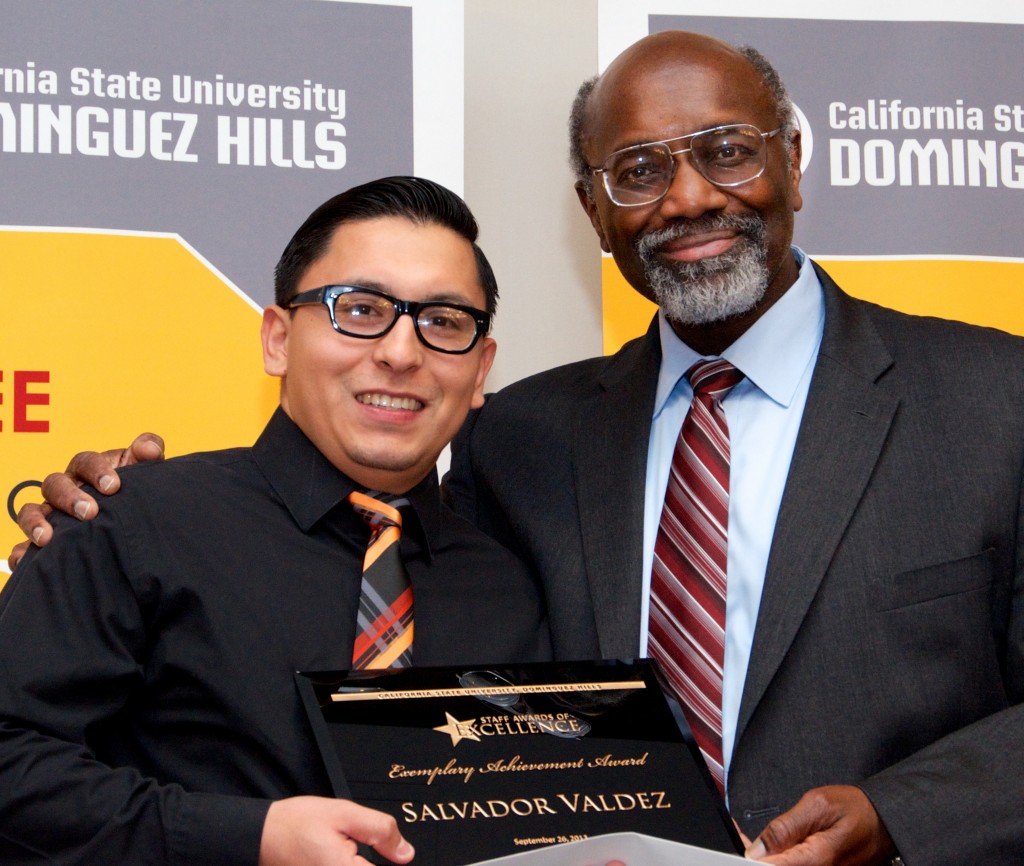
x=400, y=348
x=690, y=195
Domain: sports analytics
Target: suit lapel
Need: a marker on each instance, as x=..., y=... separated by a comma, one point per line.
x=609, y=457
x=844, y=427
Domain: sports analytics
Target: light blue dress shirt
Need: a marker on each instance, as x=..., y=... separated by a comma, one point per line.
x=777, y=356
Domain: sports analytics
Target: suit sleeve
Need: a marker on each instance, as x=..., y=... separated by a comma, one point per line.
x=458, y=487
x=73, y=649
x=958, y=800
x=467, y=486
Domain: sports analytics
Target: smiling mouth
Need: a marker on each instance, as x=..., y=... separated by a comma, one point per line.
x=385, y=401
x=711, y=241
x=694, y=248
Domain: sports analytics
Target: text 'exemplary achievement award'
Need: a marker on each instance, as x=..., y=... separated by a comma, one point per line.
x=483, y=763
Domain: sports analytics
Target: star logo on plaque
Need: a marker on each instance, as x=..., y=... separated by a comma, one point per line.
x=459, y=731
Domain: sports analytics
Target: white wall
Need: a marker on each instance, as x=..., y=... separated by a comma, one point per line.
x=524, y=61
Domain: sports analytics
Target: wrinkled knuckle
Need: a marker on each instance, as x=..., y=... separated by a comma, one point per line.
x=28, y=513
x=817, y=800
x=79, y=460
x=17, y=553
x=54, y=479
x=388, y=828
x=816, y=805
x=775, y=834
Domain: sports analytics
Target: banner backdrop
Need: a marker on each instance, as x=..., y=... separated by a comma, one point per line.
x=155, y=158
x=913, y=154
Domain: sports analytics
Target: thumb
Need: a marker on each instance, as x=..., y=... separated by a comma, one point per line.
x=380, y=832
x=781, y=834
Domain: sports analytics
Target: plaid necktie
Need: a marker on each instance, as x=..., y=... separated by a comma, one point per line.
x=384, y=621
x=688, y=584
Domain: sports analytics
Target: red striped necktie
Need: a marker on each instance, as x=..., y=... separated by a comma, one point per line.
x=688, y=583
x=384, y=622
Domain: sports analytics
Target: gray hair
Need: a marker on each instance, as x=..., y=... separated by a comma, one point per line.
x=784, y=112
x=577, y=161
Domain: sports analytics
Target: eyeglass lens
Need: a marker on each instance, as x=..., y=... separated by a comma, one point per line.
x=441, y=326
x=726, y=157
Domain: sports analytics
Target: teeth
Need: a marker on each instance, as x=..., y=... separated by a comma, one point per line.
x=386, y=402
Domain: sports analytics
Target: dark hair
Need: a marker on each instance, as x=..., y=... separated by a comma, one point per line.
x=785, y=115
x=421, y=201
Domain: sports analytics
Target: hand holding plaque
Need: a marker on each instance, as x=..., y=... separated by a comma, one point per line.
x=482, y=763
x=318, y=831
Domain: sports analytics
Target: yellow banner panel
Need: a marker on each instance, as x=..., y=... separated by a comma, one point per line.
x=104, y=336
x=626, y=313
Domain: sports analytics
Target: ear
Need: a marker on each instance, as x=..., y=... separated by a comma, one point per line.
x=590, y=206
x=795, y=153
x=274, y=335
x=486, y=359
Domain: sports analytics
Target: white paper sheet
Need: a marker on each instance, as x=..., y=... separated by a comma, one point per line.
x=633, y=849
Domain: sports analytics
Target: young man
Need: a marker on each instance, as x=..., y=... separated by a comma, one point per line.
x=147, y=706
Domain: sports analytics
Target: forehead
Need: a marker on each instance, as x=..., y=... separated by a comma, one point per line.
x=661, y=94
x=409, y=260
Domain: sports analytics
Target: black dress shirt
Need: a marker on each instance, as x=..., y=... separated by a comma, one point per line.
x=148, y=712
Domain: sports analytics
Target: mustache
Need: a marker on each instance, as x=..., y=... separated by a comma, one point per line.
x=751, y=226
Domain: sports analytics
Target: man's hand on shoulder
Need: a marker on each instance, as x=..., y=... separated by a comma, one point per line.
x=831, y=826
x=62, y=490
x=319, y=831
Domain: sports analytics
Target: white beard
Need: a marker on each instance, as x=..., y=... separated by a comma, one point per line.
x=712, y=289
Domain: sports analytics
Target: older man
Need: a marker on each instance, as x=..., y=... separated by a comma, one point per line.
x=824, y=552
x=828, y=560
x=148, y=712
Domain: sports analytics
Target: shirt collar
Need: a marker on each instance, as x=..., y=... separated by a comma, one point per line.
x=310, y=486
x=772, y=354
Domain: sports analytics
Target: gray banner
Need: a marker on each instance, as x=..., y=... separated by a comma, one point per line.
x=225, y=122
x=917, y=130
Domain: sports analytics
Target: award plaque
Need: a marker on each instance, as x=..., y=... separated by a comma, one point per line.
x=482, y=763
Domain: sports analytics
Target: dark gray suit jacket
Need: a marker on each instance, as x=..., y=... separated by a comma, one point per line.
x=889, y=647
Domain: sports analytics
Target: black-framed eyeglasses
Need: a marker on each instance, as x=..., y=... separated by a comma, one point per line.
x=367, y=314
x=724, y=155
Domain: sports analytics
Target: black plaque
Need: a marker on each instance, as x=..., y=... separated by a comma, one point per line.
x=481, y=763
